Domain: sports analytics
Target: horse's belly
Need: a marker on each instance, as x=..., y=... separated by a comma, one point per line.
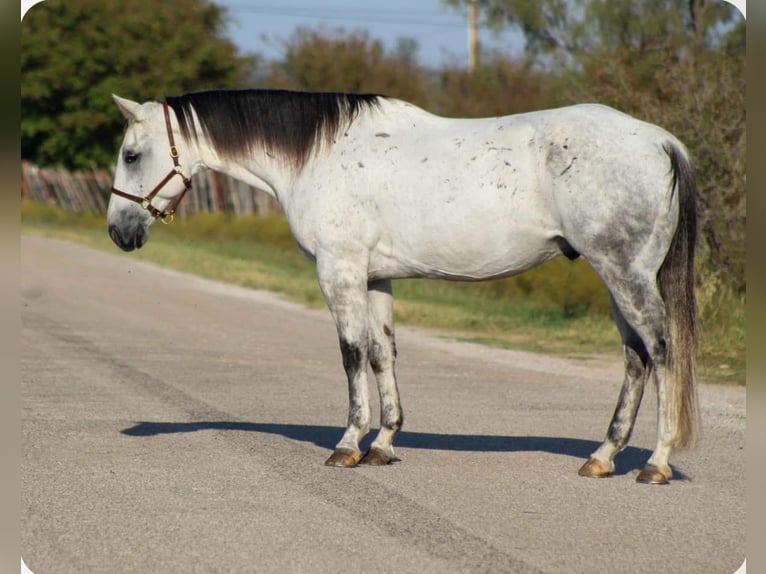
x=462, y=251
x=465, y=226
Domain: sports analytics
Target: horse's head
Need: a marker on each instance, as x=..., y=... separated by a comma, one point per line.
x=151, y=175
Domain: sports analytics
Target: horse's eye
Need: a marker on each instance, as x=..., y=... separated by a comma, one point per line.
x=131, y=156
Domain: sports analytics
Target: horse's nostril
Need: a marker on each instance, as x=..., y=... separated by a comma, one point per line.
x=114, y=234
x=119, y=240
x=140, y=238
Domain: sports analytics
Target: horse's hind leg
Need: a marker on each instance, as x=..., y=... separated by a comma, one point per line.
x=601, y=462
x=642, y=308
x=382, y=355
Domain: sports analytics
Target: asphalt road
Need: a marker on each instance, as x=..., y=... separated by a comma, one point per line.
x=172, y=424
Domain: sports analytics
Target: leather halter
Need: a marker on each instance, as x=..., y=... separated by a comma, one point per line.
x=166, y=215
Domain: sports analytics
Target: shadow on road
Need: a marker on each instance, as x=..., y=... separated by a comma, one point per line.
x=632, y=458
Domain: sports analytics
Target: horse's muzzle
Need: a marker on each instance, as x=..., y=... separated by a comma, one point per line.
x=129, y=239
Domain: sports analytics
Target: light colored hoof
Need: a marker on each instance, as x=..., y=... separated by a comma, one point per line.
x=376, y=457
x=344, y=458
x=651, y=474
x=595, y=468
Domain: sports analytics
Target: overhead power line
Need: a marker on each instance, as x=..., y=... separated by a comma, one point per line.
x=418, y=18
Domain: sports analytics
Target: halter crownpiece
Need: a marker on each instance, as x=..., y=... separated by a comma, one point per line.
x=166, y=215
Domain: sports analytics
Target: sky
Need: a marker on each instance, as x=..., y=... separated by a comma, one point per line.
x=261, y=26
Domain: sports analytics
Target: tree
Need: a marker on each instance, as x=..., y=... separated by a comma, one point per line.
x=500, y=86
x=339, y=60
x=76, y=53
x=567, y=30
x=336, y=60
x=545, y=24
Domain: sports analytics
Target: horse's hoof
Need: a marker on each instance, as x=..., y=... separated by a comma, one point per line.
x=344, y=458
x=595, y=468
x=376, y=457
x=651, y=474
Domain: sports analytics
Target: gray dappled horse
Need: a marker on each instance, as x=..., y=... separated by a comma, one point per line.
x=375, y=188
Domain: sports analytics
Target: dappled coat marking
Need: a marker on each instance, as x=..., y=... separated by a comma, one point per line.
x=375, y=188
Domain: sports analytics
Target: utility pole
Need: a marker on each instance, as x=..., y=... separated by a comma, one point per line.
x=473, y=35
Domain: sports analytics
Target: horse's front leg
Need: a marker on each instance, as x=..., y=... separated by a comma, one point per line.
x=343, y=280
x=382, y=355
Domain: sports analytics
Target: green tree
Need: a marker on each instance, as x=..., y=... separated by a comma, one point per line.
x=76, y=53
x=567, y=30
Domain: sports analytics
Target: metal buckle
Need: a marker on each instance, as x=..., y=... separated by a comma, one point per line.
x=173, y=152
x=168, y=217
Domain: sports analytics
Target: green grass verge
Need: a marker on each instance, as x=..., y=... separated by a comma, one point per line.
x=561, y=307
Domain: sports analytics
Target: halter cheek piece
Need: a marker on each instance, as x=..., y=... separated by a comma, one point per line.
x=166, y=215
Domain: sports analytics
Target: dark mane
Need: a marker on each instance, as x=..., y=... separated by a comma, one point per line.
x=280, y=122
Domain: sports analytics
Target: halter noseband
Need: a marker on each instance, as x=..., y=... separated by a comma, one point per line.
x=166, y=215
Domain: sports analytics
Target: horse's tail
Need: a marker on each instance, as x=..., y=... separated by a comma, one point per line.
x=676, y=283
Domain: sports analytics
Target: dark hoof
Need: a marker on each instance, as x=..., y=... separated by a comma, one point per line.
x=344, y=459
x=651, y=474
x=595, y=468
x=376, y=457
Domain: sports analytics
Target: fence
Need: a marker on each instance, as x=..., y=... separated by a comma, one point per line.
x=81, y=191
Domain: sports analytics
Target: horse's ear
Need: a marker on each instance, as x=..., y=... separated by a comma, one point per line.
x=130, y=109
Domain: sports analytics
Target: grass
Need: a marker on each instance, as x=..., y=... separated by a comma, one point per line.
x=561, y=307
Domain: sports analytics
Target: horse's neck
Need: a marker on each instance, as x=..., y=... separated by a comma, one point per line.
x=264, y=174
x=276, y=176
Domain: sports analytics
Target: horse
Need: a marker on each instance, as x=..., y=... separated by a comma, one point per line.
x=375, y=188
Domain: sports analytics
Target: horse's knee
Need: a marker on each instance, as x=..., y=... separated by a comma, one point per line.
x=636, y=362
x=353, y=357
x=381, y=356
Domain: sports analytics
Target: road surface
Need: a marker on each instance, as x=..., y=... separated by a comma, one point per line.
x=174, y=424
